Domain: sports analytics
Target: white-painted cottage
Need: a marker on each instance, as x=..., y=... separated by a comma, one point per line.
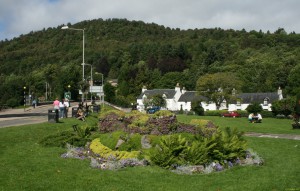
x=180, y=98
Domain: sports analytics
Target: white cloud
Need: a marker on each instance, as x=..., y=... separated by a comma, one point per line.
x=22, y=16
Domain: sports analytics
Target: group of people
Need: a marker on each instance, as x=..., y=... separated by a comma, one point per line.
x=255, y=118
x=62, y=106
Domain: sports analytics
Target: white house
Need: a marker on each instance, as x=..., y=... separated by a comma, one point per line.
x=177, y=99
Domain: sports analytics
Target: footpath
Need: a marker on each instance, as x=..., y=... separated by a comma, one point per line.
x=16, y=117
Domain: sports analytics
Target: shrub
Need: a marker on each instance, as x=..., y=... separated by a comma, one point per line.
x=197, y=108
x=223, y=145
x=267, y=114
x=214, y=112
x=98, y=148
x=283, y=107
x=254, y=108
x=169, y=151
x=162, y=113
x=12, y=102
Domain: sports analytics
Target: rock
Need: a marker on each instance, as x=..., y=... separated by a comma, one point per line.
x=145, y=142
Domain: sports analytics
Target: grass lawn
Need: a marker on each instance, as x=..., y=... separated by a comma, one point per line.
x=269, y=125
x=26, y=165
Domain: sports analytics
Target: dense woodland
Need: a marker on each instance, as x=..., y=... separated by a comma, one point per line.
x=138, y=54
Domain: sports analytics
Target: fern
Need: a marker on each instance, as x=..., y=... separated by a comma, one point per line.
x=169, y=152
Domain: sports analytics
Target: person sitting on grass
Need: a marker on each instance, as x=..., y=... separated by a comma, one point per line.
x=255, y=118
x=80, y=113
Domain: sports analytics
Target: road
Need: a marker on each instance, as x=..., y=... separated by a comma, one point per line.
x=17, y=117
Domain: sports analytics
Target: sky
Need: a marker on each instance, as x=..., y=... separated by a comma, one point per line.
x=23, y=16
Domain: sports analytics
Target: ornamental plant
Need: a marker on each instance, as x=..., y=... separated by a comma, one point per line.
x=104, y=152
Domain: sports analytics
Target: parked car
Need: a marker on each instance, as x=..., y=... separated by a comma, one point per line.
x=231, y=114
x=153, y=109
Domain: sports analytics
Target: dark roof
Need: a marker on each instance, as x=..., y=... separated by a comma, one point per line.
x=258, y=97
x=190, y=96
x=170, y=93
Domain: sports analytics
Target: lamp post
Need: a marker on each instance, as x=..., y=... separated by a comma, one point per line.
x=91, y=84
x=24, y=97
x=67, y=27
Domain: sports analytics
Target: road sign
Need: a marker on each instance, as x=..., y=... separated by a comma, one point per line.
x=68, y=95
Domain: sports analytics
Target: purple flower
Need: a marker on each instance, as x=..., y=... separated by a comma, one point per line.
x=218, y=167
x=238, y=161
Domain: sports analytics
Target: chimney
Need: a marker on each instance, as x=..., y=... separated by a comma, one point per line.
x=177, y=88
x=144, y=89
x=183, y=90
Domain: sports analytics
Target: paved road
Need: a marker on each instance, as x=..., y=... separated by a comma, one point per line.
x=17, y=117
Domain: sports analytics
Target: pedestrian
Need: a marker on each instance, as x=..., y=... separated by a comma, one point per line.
x=67, y=105
x=34, y=103
x=56, y=104
x=61, y=109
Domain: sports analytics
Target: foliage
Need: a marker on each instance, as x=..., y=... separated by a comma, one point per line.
x=98, y=148
x=78, y=137
x=158, y=100
x=283, y=107
x=254, y=108
x=35, y=167
x=197, y=108
x=169, y=151
x=12, y=102
x=163, y=113
x=137, y=54
x=161, y=123
x=297, y=108
x=218, y=87
x=223, y=145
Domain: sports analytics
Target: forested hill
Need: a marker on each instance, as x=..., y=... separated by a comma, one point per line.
x=140, y=54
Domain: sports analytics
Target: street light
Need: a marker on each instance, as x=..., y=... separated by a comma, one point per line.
x=91, y=84
x=24, y=97
x=67, y=27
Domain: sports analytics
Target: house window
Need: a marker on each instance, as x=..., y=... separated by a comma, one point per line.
x=266, y=101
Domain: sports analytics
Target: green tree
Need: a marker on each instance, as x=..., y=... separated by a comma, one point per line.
x=158, y=100
x=218, y=87
x=197, y=108
x=109, y=92
x=294, y=80
x=284, y=106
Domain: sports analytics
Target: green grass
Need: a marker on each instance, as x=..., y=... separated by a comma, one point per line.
x=26, y=165
x=269, y=125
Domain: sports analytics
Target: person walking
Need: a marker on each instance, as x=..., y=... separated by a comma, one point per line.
x=67, y=105
x=61, y=109
x=34, y=103
x=56, y=104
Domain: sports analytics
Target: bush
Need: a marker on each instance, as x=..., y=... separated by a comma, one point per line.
x=197, y=108
x=98, y=148
x=12, y=102
x=283, y=107
x=254, y=108
x=214, y=112
x=267, y=114
x=221, y=146
x=169, y=152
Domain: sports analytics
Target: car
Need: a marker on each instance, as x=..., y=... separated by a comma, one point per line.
x=153, y=109
x=231, y=114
